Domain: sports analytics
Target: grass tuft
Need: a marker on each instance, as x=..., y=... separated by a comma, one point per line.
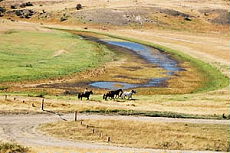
x=12, y=148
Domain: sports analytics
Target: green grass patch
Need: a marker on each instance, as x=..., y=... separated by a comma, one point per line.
x=39, y=55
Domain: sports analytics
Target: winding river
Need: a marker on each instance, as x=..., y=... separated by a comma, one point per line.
x=151, y=55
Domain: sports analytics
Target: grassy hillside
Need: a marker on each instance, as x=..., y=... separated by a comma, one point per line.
x=35, y=55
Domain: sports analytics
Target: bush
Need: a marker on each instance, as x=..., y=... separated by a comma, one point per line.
x=2, y=10
x=79, y=6
x=12, y=148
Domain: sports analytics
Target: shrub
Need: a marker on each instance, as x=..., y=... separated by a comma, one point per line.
x=12, y=148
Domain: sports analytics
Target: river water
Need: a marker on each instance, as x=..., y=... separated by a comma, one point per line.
x=151, y=55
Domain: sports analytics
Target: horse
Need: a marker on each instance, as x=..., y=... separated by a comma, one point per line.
x=106, y=95
x=117, y=93
x=85, y=94
x=128, y=94
x=113, y=94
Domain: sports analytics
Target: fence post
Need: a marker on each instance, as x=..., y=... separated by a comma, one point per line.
x=5, y=97
x=75, y=116
x=42, y=104
x=108, y=139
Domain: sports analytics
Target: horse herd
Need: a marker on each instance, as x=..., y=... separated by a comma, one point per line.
x=110, y=94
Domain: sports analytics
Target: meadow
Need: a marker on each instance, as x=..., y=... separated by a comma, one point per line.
x=31, y=55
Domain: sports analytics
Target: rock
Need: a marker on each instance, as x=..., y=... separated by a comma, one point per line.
x=63, y=18
x=25, y=13
x=26, y=4
x=79, y=6
x=188, y=18
x=22, y=5
x=13, y=7
x=18, y=12
x=2, y=9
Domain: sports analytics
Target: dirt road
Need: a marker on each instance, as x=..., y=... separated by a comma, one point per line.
x=23, y=130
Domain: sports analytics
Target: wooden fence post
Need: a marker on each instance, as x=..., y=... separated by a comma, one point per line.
x=75, y=116
x=108, y=139
x=42, y=104
x=5, y=97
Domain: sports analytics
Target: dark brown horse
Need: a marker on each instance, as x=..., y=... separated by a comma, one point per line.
x=113, y=94
x=106, y=95
x=86, y=94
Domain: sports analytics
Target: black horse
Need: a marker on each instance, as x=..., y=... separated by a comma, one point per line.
x=106, y=95
x=86, y=94
x=113, y=94
x=117, y=93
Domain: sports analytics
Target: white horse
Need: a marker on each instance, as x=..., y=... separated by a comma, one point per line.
x=128, y=94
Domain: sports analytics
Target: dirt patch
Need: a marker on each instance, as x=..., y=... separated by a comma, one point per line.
x=126, y=16
x=60, y=52
x=217, y=16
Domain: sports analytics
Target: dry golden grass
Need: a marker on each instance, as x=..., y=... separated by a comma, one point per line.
x=210, y=103
x=179, y=136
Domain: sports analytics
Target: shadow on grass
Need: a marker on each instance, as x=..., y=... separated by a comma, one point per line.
x=154, y=114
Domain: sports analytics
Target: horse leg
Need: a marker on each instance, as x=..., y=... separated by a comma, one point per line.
x=78, y=96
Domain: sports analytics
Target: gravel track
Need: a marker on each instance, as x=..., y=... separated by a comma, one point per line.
x=23, y=130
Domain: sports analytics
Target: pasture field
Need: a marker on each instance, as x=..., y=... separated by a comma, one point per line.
x=30, y=55
x=210, y=105
x=199, y=76
x=176, y=136
x=42, y=56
